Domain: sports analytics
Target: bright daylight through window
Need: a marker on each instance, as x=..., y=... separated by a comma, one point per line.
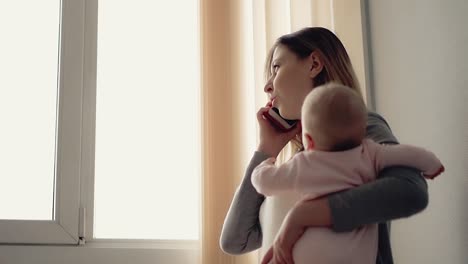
x=147, y=162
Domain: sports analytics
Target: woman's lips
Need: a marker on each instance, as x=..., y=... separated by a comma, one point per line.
x=270, y=102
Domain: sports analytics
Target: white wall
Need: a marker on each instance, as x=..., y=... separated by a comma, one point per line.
x=419, y=72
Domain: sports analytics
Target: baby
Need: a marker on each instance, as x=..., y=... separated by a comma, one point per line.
x=337, y=157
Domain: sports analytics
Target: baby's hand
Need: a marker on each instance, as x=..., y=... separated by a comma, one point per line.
x=437, y=173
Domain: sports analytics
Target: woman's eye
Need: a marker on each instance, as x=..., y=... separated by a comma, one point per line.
x=275, y=68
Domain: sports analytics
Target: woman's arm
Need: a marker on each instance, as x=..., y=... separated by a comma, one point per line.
x=400, y=192
x=397, y=192
x=241, y=231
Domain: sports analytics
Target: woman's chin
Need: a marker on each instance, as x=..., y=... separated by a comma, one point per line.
x=290, y=117
x=286, y=115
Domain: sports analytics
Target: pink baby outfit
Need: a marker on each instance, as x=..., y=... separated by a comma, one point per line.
x=317, y=173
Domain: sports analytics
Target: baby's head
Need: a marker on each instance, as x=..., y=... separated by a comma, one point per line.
x=334, y=118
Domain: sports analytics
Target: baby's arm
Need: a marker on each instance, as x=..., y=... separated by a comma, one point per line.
x=311, y=176
x=410, y=156
x=269, y=179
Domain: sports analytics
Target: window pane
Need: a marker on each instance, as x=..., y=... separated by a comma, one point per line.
x=147, y=163
x=28, y=94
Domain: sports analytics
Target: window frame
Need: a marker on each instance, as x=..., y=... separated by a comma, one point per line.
x=75, y=169
x=63, y=229
x=88, y=147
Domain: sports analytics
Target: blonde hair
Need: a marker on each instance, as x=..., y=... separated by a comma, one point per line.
x=335, y=116
x=337, y=66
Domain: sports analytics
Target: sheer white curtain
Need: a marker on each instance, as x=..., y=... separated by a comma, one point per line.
x=236, y=36
x=274, y=18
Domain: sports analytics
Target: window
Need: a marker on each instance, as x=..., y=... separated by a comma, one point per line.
x=40, y=178
x=28, y=137
x=147, y=163
x=104, y=126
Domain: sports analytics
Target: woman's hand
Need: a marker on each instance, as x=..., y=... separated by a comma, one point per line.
x=272, y=141
x=305, y=214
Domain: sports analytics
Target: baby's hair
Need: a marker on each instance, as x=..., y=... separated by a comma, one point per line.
x=335, y=116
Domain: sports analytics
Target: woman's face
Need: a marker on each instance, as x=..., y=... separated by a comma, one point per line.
x=289, y=83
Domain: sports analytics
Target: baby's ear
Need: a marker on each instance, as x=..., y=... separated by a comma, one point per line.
x=309, y=141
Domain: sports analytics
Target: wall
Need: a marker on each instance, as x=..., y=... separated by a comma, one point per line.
x=419, y=74
x=347, y=20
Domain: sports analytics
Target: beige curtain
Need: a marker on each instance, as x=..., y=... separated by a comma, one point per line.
x=235, y=38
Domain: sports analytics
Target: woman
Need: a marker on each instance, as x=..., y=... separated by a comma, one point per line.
x=297, y=63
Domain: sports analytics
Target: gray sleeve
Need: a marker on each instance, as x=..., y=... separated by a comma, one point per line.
x=241, y=232
x=398, y=191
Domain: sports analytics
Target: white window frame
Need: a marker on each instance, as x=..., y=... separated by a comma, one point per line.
x=22, y=241
x=64, y=228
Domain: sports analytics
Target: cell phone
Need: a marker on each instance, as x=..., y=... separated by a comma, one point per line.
x=278, y=121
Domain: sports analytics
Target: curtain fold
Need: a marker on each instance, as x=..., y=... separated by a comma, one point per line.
x=235, y=38
x=223, y=125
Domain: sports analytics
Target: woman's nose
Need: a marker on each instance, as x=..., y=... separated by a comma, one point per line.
x=268, y=87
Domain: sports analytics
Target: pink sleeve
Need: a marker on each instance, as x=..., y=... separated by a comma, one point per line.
x=406, y=155
x=269, y=179
x=311, y=176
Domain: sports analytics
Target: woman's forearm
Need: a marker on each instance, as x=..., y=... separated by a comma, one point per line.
x=400, y=192
x=241, y=232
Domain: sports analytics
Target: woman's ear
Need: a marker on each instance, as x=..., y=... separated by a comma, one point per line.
x=309, y=144
x=316, y=64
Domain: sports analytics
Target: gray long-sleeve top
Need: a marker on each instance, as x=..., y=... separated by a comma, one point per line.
x=398, y=192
